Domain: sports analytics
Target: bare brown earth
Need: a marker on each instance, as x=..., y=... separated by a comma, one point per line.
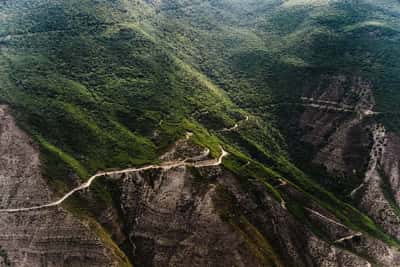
x=190, y=212
x=180, y=217
x=50, y=237
x=352, y=144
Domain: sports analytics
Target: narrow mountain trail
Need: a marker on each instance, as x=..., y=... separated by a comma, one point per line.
x=235, y=126
x=326, y=218
x=325, y=104
x=163, y=166
x=329, y=105
x=349, y=237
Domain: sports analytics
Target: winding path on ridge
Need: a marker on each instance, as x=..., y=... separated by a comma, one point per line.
x=330, y=105
x=196, y=162
x=88, y=183
x=236, y=126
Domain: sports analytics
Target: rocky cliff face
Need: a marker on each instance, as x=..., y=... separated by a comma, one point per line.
x=187, y=215
x=48, y=237
x=390, y=163
x=348, y=140
x=112, y=83
x=172, y=219
x=334, y=122
x=203, y=217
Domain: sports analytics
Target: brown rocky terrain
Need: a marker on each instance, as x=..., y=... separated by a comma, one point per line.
x=341, y=138
x=180, y=217
x=290, y=156
x=354, y=144
x=193, y=214
x=49, y=237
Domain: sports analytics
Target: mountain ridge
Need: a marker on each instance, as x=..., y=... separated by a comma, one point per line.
x=297, y=88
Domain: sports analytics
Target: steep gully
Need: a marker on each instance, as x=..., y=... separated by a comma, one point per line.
x=378, y=132
x=195, y=162
x=198, y=161
x=174, y=164
x=372, y=199
x=378, y=148
x=362, y=111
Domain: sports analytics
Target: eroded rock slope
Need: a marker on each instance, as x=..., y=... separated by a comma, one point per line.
x=49, y=237
x=203, y=217
x=354, y=147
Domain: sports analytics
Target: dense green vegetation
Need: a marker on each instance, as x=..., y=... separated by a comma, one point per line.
x=107, y=84
x=272, y=52
x=101, y=95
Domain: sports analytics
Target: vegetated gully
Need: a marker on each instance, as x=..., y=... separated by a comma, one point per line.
x=165, y=166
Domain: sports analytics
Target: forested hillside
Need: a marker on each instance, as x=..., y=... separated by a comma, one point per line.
x=303, y=95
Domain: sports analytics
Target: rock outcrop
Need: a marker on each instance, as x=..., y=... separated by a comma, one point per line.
x=355, y=144
x=48, y=237
x=341, y=138
x=183, y=215
x=203, y=217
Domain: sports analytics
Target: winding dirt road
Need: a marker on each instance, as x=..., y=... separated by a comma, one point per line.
x=235, y=126
x=164, y=166
x=326, y=218
x=348, y=237
x=329, y=105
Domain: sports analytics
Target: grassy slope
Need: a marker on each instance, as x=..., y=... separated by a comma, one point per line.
x=266, y=51
x=104, y=85
x=262, y=52
x=96, y=91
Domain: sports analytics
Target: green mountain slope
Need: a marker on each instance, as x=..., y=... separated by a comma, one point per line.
x=110, y=84
x=276, y=48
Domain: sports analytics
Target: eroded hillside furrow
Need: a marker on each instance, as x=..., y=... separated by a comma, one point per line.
x=354, y=147
x=338, y=129
x=178, y=217
x=202, y=216
x=371, y=193
x=302, y=93
x=165, y=166
x=52, y=237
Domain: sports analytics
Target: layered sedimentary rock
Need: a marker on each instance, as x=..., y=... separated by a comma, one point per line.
x=179, y=216
x=340, y=136
x=355, y=144
x=48, y=237
x=203, y=217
